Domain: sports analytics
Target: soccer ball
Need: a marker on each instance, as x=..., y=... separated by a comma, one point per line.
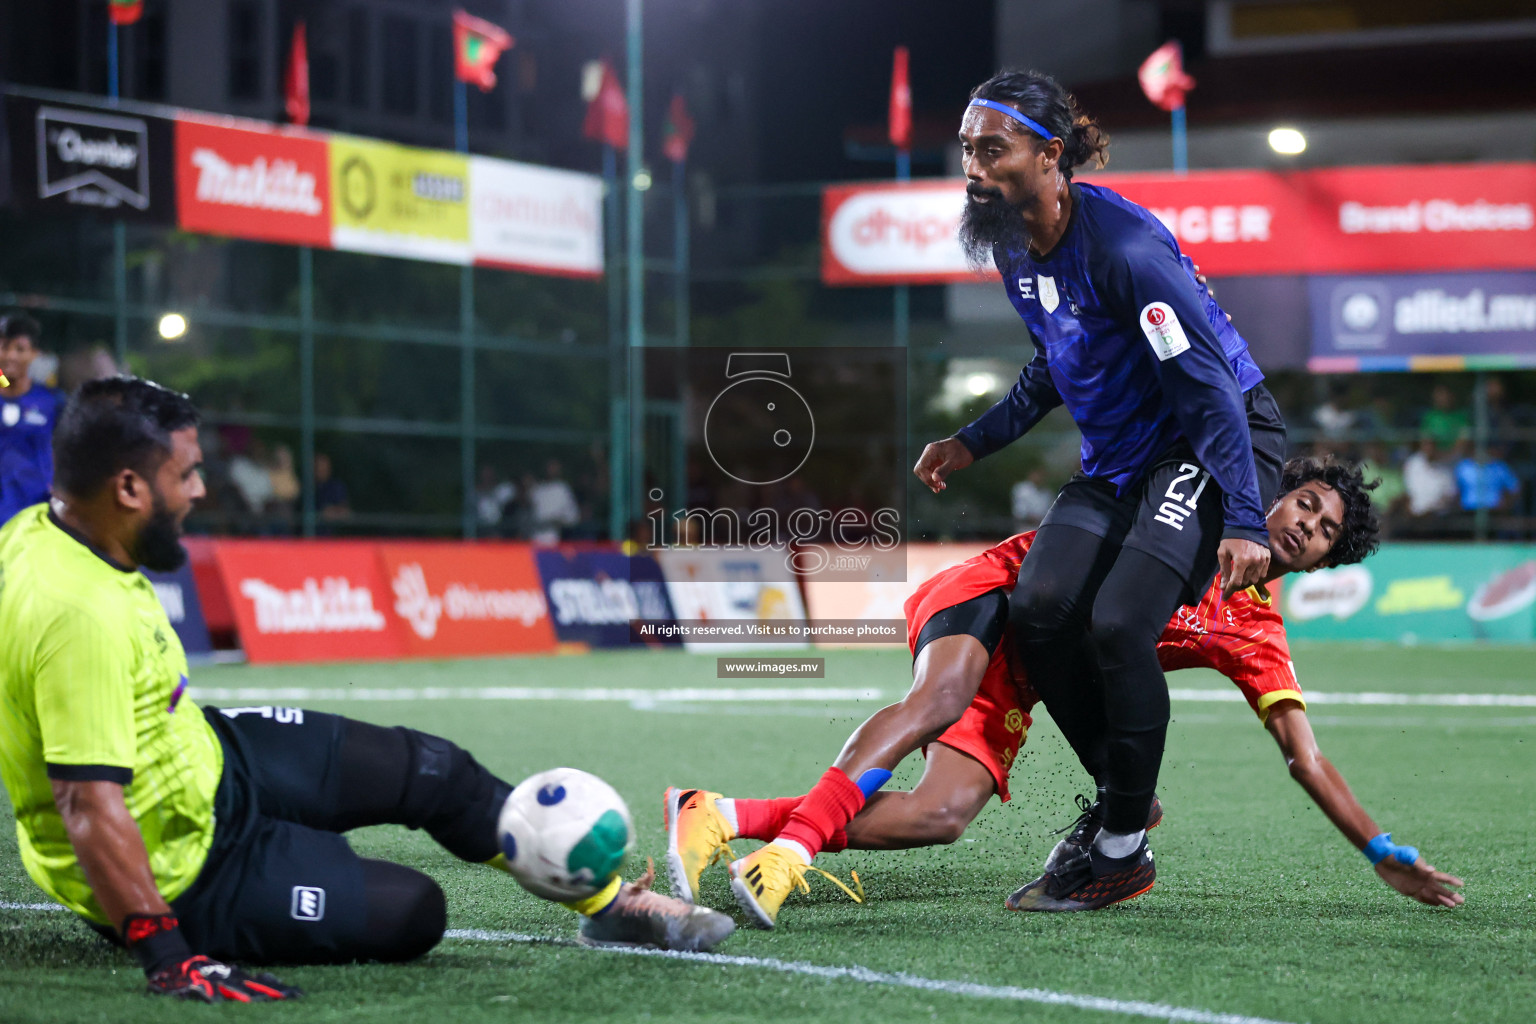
x=565, y=833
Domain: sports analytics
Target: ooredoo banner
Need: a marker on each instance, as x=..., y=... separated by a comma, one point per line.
x=535, y=218
x=1343, y=220
x=594, y=594
x=309, y=601
x=466, y=599
x=246, y=180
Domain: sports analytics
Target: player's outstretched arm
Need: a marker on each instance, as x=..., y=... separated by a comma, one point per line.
x=1417, y=879
x=110, y=849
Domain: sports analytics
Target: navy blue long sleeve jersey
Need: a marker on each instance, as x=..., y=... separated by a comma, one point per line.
x=1136, y=349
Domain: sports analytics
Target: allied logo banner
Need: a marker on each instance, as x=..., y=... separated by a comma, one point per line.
x=399, y=200
x=71, y=158
x=244, y=180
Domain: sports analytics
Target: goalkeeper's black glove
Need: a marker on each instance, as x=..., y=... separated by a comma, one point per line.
x=173, y=969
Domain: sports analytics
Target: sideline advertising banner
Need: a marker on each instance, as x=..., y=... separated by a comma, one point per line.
x=245, y=180
x=309, y=600
x=538, y=219
x=1232, y=223
x=595, y=594
x=739, y=584
x=453, y=599
x=1423, y=322
x=883, y=600
x=73, y=158
x=399, y=201
x=1411, y=593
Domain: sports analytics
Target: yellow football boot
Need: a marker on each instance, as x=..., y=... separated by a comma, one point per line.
x=697, y=834
x=765, y=877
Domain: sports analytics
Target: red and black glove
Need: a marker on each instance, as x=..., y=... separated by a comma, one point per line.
x=173, y=969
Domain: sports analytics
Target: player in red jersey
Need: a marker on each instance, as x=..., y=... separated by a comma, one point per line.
x=969, y=695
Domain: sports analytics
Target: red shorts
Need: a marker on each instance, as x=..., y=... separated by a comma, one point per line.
x=993, y=729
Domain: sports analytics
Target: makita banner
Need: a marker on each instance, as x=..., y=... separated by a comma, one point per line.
x=1232, y=223
x=1422, y=321
x=69, y=158
x=594, y=594
x=247, y=180
x=459, y=599
x=309, y=600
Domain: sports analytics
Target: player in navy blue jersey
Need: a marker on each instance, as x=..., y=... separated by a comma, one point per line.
x=1182, y=445
x=28, y=412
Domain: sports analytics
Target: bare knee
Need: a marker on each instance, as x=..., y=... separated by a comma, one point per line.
x=945, y=824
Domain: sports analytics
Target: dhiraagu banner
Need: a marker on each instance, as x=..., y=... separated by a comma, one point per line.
x=399, y=200
x=1419, y=593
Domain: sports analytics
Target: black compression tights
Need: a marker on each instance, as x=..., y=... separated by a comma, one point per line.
x=1089, y=642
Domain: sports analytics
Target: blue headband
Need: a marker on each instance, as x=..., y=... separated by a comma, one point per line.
x=1034, y=126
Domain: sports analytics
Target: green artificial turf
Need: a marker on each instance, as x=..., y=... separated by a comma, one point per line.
x=1260, y=909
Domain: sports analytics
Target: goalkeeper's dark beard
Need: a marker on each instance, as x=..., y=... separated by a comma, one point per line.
x=158, y=545
x=989, y=227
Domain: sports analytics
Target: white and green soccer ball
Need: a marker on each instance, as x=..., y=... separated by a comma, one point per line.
x=565, y=833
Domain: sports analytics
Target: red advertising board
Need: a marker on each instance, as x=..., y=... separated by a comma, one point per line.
x=310, y=600
x=1232, y=223
x=247, y=181
x=455, y=599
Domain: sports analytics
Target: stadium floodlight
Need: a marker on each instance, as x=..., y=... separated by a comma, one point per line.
x=642, y=180
x=980, y=384
x=1287, y=141
x=173, y=326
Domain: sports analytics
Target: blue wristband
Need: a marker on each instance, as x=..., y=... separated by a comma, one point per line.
x=1382, y=847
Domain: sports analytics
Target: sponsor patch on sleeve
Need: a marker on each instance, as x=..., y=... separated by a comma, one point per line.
x=1163, y=330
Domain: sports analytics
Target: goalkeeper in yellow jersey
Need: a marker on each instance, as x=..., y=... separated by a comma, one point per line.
x=197, y=836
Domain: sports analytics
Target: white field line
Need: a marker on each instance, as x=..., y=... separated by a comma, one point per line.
x=776, y=695
x=1129, y=1007
x=1132, y=1008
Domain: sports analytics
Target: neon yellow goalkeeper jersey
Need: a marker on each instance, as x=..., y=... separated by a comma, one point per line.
x=91, y=688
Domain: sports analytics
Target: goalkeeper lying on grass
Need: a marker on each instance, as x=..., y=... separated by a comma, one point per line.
x=969, y=707
x=196, y=836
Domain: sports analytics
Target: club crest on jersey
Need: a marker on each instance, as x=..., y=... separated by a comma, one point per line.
x=1049, y=297
x=1163, y=330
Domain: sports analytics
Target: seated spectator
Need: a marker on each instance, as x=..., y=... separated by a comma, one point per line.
x=553, y=505
x=1333, y=418
x=1428, y=481
x=1486, y=484
x=284, y=503
x=493, y=496
x=1391, y=493
x=1031, y=501
x=1443, y=421
x=254, y=483
x=331, y=501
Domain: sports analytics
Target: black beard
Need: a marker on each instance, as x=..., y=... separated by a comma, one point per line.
x=158, y=545
x=987, y=227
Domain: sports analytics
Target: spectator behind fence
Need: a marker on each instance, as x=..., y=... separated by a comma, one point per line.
x=1486, y=484
x=1428, y=480
x=283, y=506
x=331, y=500
x=28, y=411
x=1333, y=419
x=1444, y=421
x=553, y=505
x=493, y=500
x=1031, y=501
x=1391, y=494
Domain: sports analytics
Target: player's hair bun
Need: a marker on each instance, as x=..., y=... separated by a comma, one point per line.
x=1041, y=98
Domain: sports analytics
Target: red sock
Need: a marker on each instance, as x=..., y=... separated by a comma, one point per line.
x=826, y=809
x=837, y=843
x=764, y=819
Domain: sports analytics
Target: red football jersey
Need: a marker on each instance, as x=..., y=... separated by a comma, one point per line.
x=1242, y=637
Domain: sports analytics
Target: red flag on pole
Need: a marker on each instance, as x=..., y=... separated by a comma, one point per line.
x=607, y=119
x=1162, y=76
x=125, y=12
x=476, y=46
x=296, y=79
x=901, y=102
x=679, y=133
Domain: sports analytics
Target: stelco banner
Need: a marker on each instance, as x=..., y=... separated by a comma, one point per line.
x=594, y=594
x=254, y=180
x=1232, y=223
x=1400, y=322
x=1419, y=592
